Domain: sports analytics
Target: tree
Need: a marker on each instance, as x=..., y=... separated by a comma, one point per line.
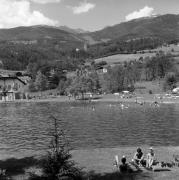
x=63, y=85
x=158, y=66
x=84, y=82
x=170, y=81
x=57, y=164
x=40, y=82
x=121, y=78
x=31, y=86
x=32, y=70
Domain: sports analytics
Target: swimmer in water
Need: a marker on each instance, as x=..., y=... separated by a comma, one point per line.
x=123, y=106
x=112, y=105
x=156, y=104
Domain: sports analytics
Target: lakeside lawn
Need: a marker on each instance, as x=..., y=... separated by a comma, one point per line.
x=98, y=164
x=101, y=160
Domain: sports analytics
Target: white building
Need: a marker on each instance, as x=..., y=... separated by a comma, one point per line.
x=12, y=88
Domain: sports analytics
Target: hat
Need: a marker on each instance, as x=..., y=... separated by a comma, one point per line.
x=151, y=148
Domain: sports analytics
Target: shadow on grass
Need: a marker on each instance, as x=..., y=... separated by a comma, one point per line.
x=15, y=166
x=119, y=176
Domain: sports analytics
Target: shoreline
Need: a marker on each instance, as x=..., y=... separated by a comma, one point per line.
x=105, y=98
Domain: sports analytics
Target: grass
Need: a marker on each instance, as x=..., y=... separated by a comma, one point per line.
x=98, y=164
x=16, y=168
x=119, y=176
x=101, y=162
x=154, y=86
x=120, y=58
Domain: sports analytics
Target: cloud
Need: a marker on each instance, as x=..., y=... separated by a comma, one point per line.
x=83, y=7
x=45, y=1
x=144, y=12
x=15, y=13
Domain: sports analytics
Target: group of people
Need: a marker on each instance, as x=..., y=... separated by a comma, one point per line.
x=138, y=160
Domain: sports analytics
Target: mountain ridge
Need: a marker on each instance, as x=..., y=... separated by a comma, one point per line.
x=162, y=26
x=165, y=27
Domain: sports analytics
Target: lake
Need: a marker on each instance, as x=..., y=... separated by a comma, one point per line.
x=26, y=127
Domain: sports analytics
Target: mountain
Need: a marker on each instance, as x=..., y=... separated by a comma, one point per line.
x=73, y=31
x=42, y=35
x=165, y=27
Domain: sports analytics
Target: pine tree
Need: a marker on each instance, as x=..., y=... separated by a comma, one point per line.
x=57, y=164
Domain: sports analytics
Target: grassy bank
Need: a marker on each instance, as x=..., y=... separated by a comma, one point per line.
x=98, y=163
x=101, y=160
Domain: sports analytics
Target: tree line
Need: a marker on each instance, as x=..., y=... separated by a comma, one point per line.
x=124, y=76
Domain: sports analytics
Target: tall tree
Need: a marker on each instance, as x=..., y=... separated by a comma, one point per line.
x=40, y=82
x=82, y=83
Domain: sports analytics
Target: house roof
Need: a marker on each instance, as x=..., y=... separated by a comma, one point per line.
x=12, y=77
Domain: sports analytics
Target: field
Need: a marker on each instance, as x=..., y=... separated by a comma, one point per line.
x=120, y=58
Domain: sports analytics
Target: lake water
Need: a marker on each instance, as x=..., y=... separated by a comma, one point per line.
x=25, y=127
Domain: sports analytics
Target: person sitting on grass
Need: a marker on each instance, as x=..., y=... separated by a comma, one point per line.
x=124, y=167
x=139, y=157
x=150, y=158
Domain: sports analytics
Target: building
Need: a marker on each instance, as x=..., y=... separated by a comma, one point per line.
x=102, y=70
x=12, y=88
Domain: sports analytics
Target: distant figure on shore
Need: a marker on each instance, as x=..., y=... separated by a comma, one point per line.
x=150, y=158
x=139, y=157
x=112, y=105
x=69, y=96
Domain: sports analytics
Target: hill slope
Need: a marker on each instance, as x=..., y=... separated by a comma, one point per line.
x=35, y=33
x=42, y=35
x=165, y=27
x=74, y=31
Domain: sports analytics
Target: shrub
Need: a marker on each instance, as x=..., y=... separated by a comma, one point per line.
x=170, y=81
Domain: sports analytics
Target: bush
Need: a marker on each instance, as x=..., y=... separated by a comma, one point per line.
x=170, y=81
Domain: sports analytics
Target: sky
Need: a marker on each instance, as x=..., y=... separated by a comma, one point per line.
x=89, y=15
